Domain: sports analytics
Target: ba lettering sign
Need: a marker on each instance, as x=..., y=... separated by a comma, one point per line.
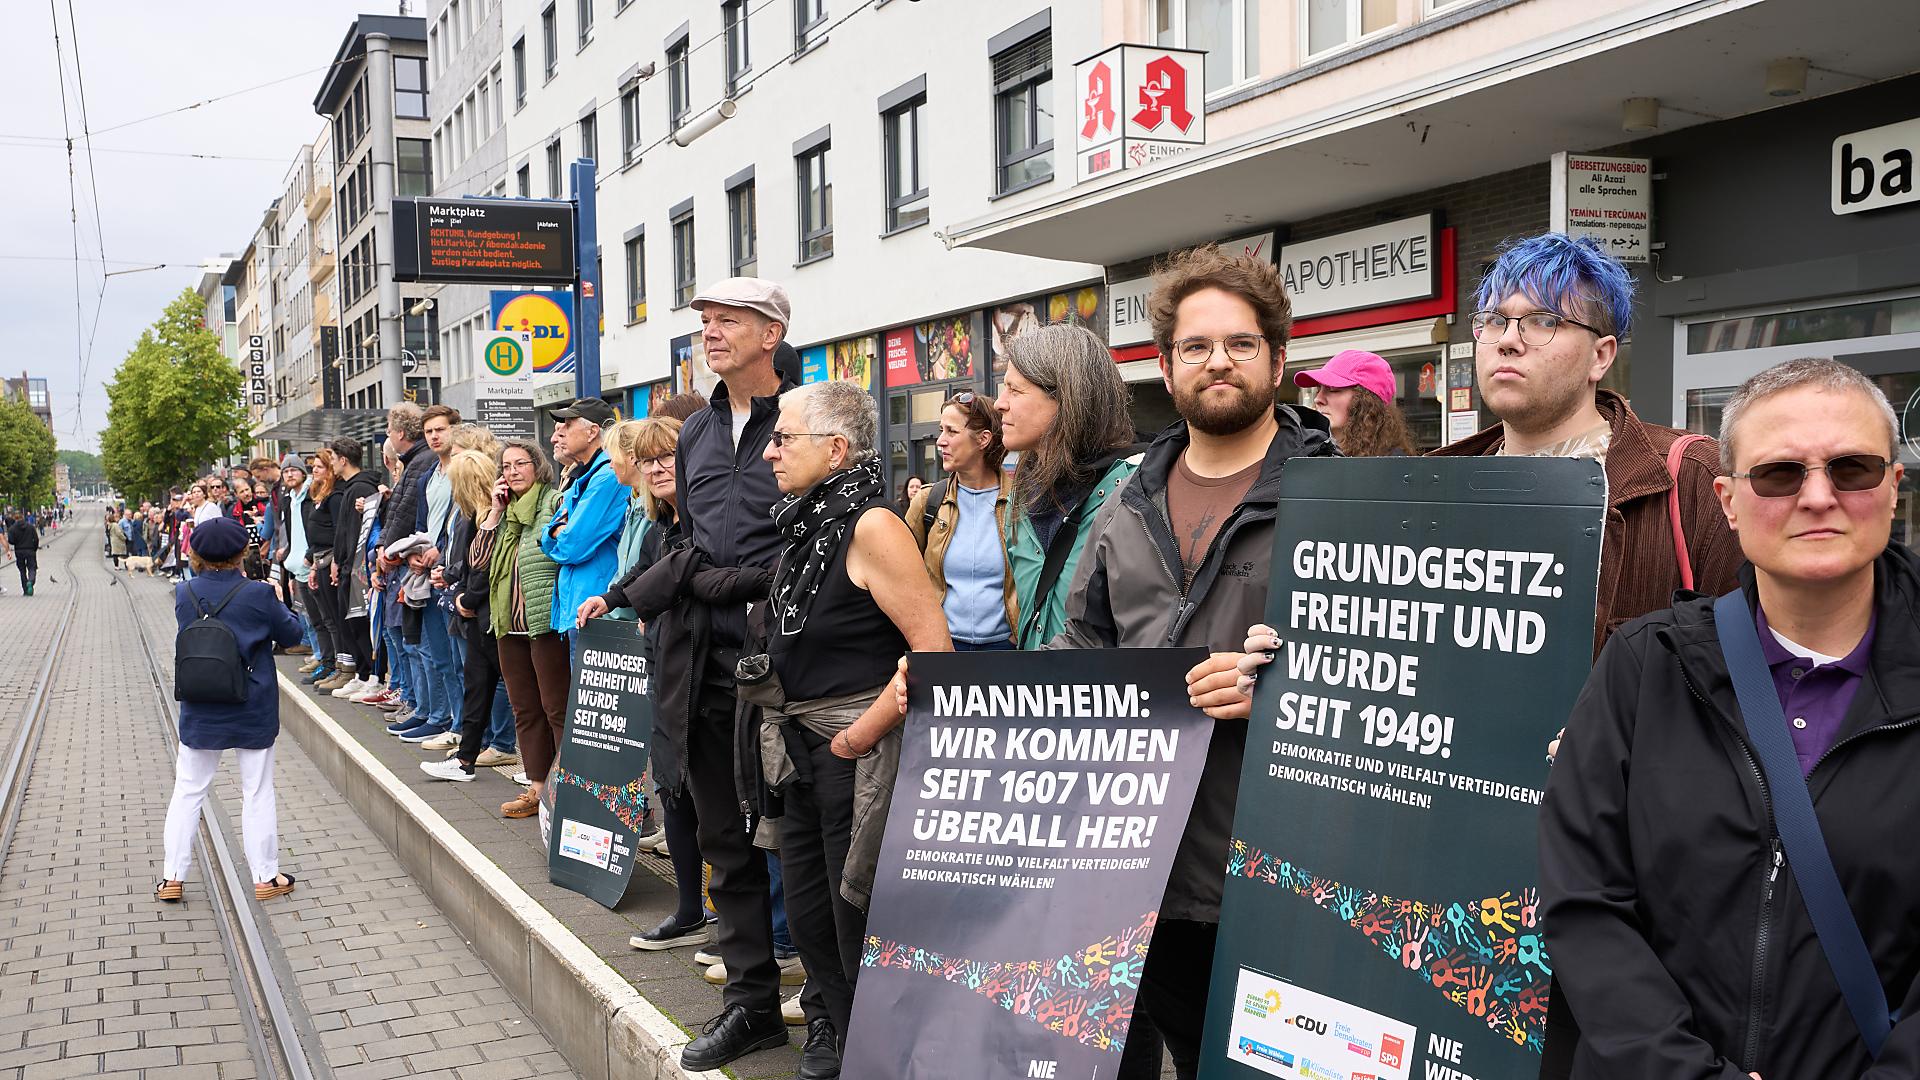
x=1138, y=104
x=1874, y=168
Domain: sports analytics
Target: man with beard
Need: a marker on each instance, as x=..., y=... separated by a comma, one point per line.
x=1191, y=537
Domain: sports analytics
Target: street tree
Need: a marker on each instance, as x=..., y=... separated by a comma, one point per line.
x=26, y=456
x=173, y=406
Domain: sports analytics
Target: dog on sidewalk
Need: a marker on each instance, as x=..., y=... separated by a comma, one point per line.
x=140, y=562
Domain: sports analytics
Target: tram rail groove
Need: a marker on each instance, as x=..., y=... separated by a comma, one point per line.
x=280, y=1031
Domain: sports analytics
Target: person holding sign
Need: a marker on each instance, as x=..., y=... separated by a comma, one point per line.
x=1181, y=557
x=1726, y=843
x=848, y=599
x=1063, y=408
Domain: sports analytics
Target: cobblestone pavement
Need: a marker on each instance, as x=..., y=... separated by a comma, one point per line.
x=97, y=979
x=29, y=621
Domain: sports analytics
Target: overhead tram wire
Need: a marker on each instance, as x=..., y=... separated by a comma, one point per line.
x=93, y=182
x=211, y=100
x=73, y=199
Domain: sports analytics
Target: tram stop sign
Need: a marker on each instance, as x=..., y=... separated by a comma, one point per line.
x=504, y=398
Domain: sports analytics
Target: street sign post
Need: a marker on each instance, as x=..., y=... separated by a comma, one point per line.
x=503, y=401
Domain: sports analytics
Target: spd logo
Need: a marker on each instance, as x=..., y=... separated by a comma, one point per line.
x=548, y=316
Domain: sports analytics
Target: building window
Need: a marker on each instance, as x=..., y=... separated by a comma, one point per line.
x=809, y=23
x=585, y=10
x=519, y=74
x=743, y=229
x=683, y=275
x=410, y=87
x=523, y=181
x=550, y=39
x=733, y=15
x=637, y=279
x=629, y=123
x=499, y=99
x=1023, y=113
x=415, y=168
x=589, y=137
x=816, y=203
x=1228, y=31
x=679, y=86
x=554, y=188
x=906, y=190
x=1334, y=24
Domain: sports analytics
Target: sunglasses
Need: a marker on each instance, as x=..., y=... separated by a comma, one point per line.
x=1783, y=479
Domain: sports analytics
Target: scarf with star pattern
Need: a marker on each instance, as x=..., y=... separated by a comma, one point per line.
x=813, y=525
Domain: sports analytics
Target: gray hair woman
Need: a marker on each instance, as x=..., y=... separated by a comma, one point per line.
x=1063, y=408
x=848, y=598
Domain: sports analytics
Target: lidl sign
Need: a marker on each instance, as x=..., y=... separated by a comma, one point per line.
x=547, y=316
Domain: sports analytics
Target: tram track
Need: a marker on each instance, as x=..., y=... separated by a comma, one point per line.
x=280, y=1034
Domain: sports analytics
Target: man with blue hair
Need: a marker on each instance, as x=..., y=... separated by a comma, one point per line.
x=1551, y=312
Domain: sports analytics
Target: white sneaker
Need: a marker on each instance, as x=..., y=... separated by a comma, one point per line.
x=645, y=843
x=521, y=779
x=446, y=770
x=373, y=690
x=356, y=686
x=790, y=1010
x=447, y=740
x=707, y=957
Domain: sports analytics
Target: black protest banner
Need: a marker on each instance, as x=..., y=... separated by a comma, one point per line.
x=599, y=801
x=1380, y=918
x=1040, y=801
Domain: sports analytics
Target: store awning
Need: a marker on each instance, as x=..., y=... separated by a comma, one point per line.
x=317, y=426
x=1558, y=91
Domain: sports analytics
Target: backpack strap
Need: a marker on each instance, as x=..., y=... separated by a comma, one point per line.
x=1794, y=820
x=1675, y=454
x=936, y=495
x=201, y=608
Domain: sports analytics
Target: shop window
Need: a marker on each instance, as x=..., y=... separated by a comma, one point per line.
x=1808, y=326
x=816, y=204
x=637, y=279
x=683, y=272
x=410, y=87
x=1228, y=30
x=733, y=16
x=629, y=123
x=907, y=203
x=743, y=243
x=1023, y=113
x=1335, y=24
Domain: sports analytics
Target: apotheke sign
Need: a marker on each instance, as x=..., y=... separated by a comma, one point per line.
x=1365, y=268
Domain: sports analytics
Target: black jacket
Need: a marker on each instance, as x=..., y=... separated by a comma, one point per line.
x=23, y=536
x=320, y=519
x=456, y=542
x=1679, y=949
x=400, y=510
x=346, y=522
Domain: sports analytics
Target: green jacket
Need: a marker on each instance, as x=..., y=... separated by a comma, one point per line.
x=518, y=545
x=1043, y=617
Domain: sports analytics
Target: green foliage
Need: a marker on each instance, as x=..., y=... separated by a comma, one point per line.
x=82, y=467
x=26, y=456
x=173, y=406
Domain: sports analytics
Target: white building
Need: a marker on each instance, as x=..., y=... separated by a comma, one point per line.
x=856, y=129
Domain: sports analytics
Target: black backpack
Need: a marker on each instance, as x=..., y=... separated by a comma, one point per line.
x=207, y=666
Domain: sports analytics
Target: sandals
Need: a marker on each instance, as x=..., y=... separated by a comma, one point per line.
x=267, y=890
x=169, y=892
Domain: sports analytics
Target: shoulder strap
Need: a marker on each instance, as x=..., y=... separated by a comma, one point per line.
x=1675, y=454
x=1794, y=819
x=1057, y=552
x=936, y=494
x=202, y=608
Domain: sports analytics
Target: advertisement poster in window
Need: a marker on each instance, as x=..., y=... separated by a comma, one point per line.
x=851, y=361
x=903, y=367
x=945, y=348
x=813, y=364
x=690, y=370
x=1076, y=307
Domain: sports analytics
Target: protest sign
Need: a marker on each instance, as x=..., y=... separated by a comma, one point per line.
x=1381, y=911
x=1040, y=801
x=598, y=798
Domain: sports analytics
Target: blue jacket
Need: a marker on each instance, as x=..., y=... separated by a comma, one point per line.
x=259, y=621
x=587, y=547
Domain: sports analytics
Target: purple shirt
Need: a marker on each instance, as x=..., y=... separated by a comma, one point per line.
x=1814, y=697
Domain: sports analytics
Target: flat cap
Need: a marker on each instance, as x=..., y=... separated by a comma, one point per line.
x=766, y=297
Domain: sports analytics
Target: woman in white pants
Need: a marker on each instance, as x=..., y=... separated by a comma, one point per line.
x=259, y=621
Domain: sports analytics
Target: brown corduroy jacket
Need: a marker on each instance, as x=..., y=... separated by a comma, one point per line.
x=1638, y=570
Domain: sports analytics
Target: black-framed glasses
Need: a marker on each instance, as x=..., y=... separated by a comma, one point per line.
x=1536, y=327
x=661, y=461
x=1783, y=479
x=1239, y=348
x=779, y=438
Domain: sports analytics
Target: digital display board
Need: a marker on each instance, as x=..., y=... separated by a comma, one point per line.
x=501, y=241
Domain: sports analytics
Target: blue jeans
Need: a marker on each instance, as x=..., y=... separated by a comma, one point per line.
x=397, y=674
x=443, y=665
x=782, y=940
x=307, y=637
x=985, y=646
x=500, y=733
x=429, y=706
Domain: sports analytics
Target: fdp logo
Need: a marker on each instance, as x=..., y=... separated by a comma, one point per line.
x=505, y=357
x=548, y=317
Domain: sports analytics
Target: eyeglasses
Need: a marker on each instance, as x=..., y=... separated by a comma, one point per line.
x=1782, y=479
x=779, y=438
x=663, y=461
x=1536, y=327
x=1198, y=350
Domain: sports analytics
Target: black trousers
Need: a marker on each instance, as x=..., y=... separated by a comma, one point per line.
x=318, y=603
x=738, y=886
x=816, y=828
x=353, y=629
x=1173, y=988
x=480, y=678
x=682, y=824
x=27, y=561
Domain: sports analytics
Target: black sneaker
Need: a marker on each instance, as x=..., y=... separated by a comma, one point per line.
x=671, y=935
x=734, y=1034
x=820, y=1057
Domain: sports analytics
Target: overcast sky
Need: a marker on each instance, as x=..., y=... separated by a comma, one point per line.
x=139, y=58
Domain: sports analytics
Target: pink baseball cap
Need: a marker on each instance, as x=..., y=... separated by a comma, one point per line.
x=1352, y=368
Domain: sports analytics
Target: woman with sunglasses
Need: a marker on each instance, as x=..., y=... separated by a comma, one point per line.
x=1063, y=407
x=960, y=524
